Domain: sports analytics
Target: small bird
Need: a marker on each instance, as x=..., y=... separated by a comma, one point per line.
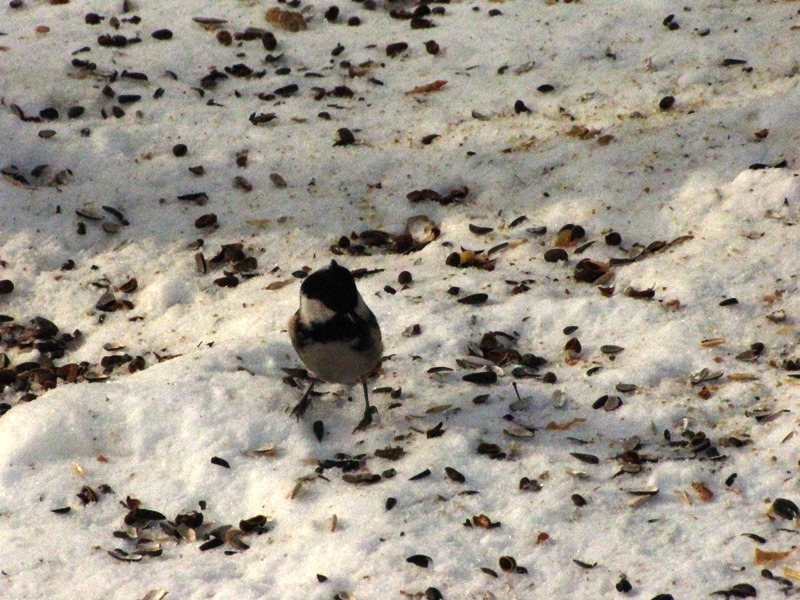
x=335, y=334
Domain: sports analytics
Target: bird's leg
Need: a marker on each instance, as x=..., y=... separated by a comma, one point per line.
x=366, y=420
x=299, y=410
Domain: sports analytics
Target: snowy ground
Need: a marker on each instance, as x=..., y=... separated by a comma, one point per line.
x=686, y=487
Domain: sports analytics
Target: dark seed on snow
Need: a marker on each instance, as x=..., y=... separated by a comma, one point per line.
x=729, y=302
x=179, y=150
x=527, y=484
x=578, y=500
x=431, y=47
x=420, y=475
x=162, y=34
x=48, y=114
x=61, y=511
x=480, y=229
x=666, y=102
x=587, y=458
x=433, y=594
x=332, y=14
x=481, y=377
x=287, y=90
x=420, y=560
x=555, y=255
x=227, y=281
x=613, y=239
x=269, y=41
x=345, y=137
x=474, y=299
x=519, y=107
x=455, y=475
x=321, y=578
x=319, y=430
x=573, y=345
x=404, y=278
x=730, y=62
x=354, y=21
x=211, y=544
x=396, y=48
x=785, y=508
x=507, y=563
x=489, y=571
x=208, y=220
x=390, y=503
x=545, y=88
x=489, y=449
x=220, y=462
x=6, y=286
x=623, y=585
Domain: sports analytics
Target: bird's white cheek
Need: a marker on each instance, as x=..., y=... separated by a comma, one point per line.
x=314, y=311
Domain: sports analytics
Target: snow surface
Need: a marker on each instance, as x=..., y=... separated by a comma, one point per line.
x=596, y=151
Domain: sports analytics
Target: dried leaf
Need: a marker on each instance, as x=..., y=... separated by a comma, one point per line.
x=553, y=426
x=764, y=557
x=702, y=491
x=428, y=87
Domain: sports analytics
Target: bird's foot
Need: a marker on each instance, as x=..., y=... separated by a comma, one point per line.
x=366, y=420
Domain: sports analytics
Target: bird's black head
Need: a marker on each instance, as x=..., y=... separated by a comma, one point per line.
x=333, y=286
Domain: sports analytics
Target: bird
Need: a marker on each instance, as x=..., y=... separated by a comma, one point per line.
x=335, y=334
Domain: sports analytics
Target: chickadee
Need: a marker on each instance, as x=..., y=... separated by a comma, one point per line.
x=335, y=334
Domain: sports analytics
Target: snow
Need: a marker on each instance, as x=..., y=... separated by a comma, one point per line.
x=597, y=152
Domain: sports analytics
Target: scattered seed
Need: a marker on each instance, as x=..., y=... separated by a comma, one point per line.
x=578, y=500
x=319, y=430
x=666, y=102
x=573, y=345
x=623, y=585
x=421, y=475
x=583, y=564
x=6, y=286
x=396, y=48
x=345, y=137
x=432, y=48
x=587, y=458
x=277, y=180
x=555, y=255
x=481, y=377
x=455, y=475
x=480, y=230
x=227, y=281
x=124, y=556
x=729, y=302
x=785, y=508
x=474, y=299
x=420, y=560
x=221, y=462
x=162, y=34
x=179, y=150
x=208, y=220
